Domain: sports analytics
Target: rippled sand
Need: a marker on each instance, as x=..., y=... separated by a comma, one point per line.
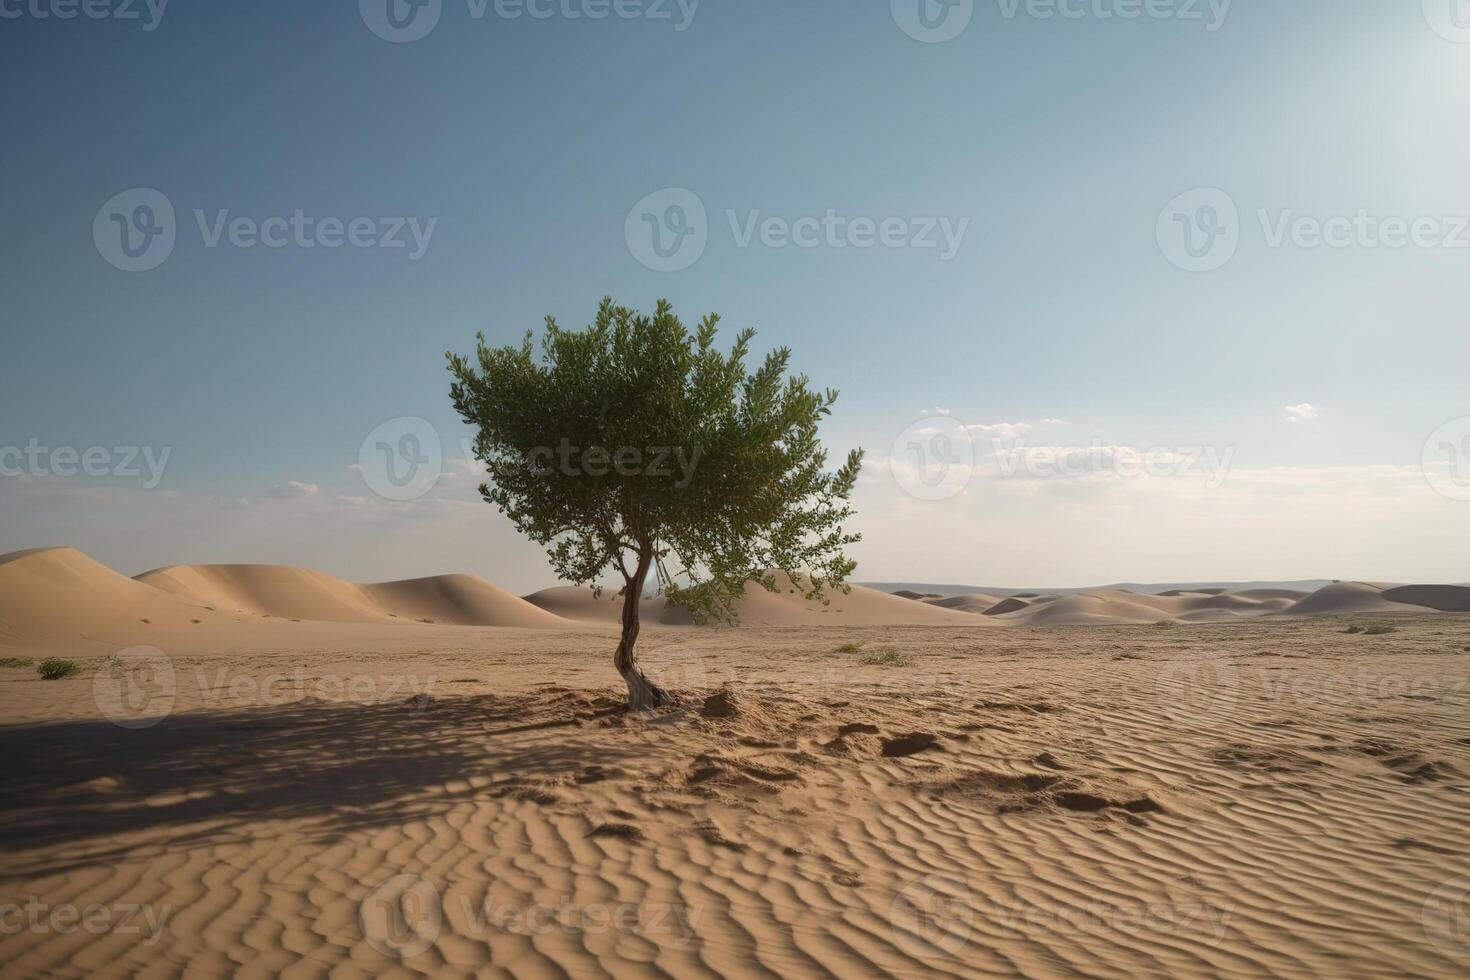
x=1256, y=798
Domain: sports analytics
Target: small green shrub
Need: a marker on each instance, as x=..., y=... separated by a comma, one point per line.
x=1380, y=630
x=1353, y=629
x=849, y=648
x=886, y=657
x=53, y=669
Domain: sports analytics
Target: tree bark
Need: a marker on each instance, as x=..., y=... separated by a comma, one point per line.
x=642, y=692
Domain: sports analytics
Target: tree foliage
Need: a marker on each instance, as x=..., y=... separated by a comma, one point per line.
x=636, y=444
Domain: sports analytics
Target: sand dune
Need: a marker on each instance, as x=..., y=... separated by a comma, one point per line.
x=760, y=607
x=1445, y=598
x=860, y=606
x=267, y=590
x=1121, y=607
x=576, y=602
x=1087, y=610
x=970, y=603
x=52, y=595
x=909, y=594
x=58, y=599
x=459, y=600
x=287, y=592
x=1344, y=598
x=1289, y=594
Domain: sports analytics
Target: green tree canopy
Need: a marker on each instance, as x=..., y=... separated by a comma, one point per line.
x=635, y=446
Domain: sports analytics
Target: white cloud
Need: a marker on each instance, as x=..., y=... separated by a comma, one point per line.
x=1000, y=430
x=1304, y=412
x=291, y=490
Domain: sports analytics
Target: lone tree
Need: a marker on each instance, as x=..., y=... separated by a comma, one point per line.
x=636, y=446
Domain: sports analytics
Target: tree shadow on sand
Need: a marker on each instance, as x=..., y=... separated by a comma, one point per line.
x=70, y=787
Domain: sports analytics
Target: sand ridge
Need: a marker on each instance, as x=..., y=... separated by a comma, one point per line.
x=297, y=593
x=60, y=600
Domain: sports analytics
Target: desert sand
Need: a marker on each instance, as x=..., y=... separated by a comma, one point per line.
x=888, y=785
x=61, y=600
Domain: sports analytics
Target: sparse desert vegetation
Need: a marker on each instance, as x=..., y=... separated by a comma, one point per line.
x=54, y=668
x=886, y=657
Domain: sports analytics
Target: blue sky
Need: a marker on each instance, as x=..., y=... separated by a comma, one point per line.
x=1056, y=142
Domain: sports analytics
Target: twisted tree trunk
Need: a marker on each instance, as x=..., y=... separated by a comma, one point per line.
x=642, y=692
